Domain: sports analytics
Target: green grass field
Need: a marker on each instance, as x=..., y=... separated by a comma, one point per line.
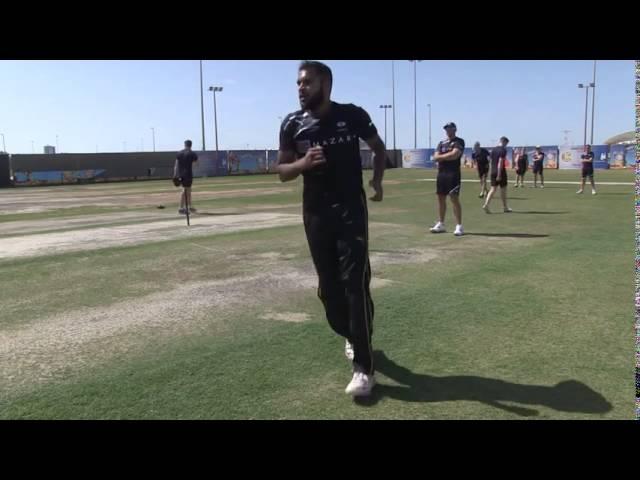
x=529, y=315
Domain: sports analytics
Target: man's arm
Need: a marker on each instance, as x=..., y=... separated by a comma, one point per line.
x=501, y=162
x=289, y=168
x=175, y=169
x=454, y=154
x=366, y=130
x=379, y=162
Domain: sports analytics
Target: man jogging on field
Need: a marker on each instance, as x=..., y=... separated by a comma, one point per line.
x=321, y=142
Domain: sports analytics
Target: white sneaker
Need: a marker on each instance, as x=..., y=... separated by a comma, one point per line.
x=541, y=186
x=348, y=350
x=507, y=210
x=360, y=385
x=438, y=228
x=486, y=208
x=459, y=231
x=593, y=192
x=579, y=191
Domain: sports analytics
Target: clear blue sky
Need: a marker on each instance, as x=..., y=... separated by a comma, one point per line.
x=107, y=103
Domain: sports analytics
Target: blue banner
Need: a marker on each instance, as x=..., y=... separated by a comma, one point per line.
x=466, y=161
x=421, y=158
x=53, y=177
x=272, y=160
x=600, y=156
x=617, y=156
x=246, y=161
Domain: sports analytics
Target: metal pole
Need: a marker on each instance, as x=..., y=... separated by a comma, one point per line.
x=57, y=147
x=215, y=120
x=586, y=109
x=393, y=105
x=385, y=126
x=429, y=105
x=202, y=107
x=415, y=104
x=593, y=100
x=153, y=136
x=33, y=147
x=4, y=147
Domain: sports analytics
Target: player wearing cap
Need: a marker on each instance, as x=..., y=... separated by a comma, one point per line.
x=448, y=154
x=587, y=170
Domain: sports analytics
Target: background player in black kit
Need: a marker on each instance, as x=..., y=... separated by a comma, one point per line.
x=522, y=163
x=183, y=171
x=587, y=170
x=449, y=180
x=498, y=175
x=538, y=167
x=481, y=157
x=321, y=142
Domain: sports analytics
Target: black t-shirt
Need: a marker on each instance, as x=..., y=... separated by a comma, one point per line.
x=589, y=159
x=481, y=158
x=185, y=161
x=496, y=154
x=523, y=159
x=338, y=133
x=540, y=157
x=446, y=146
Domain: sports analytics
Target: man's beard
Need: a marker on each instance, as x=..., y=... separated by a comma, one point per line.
x=313, y=102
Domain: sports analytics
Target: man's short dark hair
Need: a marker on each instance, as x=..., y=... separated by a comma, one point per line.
x=319, y=68
x=187, y=143
x=504, y=139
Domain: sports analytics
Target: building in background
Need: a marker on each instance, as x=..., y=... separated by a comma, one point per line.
x=622, y=150
x=49, y=150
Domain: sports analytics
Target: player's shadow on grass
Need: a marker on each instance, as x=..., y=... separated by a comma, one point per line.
x=510, y=235
x=216, y=214
x=568, y=396
x=536, y=212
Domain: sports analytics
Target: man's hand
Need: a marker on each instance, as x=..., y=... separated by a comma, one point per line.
x=377, y=186
x=313, y=158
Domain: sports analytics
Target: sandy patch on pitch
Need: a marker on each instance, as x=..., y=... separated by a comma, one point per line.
x=135, y=234
x=60, y=346
x=39, y=201
x=33, y=226
x=55, y=346
x=379, y=258
x=290, y=317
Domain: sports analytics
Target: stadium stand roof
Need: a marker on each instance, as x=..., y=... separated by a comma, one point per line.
x=627, y=137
